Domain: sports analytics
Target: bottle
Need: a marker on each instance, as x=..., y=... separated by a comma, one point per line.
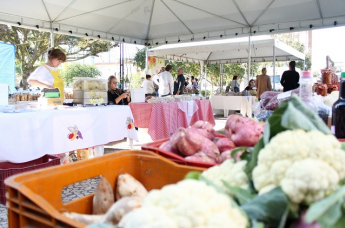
x=338, y=111
x=306, y=90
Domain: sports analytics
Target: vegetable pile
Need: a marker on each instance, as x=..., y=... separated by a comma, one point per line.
x=199, y=143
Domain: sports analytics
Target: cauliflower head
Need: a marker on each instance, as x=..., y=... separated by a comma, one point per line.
x=307, y=165
x=230, y=172
x=187, y=204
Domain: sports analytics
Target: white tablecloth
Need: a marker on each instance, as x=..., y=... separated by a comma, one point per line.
x=242, y=103
x=28, y=136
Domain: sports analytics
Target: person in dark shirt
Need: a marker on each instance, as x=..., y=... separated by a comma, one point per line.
x=290, y=78
x=115, y=95
x=175, y=86
x=180, y=81
x=251, y=85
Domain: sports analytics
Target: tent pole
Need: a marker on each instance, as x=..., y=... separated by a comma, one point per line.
x=249, y=53
x=304, y=64
x=221, y=76
x=146, y=56
x=51, y=35
x=274, y=65
x=206, y=79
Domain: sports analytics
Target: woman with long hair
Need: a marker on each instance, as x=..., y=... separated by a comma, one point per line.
x=116, y=95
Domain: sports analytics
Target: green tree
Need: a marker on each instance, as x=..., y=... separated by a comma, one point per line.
x=79, y=70
x=139, y=59
x=31, y=46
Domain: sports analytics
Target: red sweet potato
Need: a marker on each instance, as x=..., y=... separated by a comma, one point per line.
x=224, y=144
x=210, y=149
x=205, y=129
x=190, y=142
x=224, y=156
x=176, y=137
x=103, y=198
x=243, y=131
x=200, y=157
x=167, y=146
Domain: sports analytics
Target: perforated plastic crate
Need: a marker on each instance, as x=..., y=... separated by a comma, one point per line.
x=8, y=169
x=34, y=198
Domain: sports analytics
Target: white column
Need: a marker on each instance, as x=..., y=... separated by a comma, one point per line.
x=51, y=35
x=249, y=53
x=274, y=66
x=146, y=66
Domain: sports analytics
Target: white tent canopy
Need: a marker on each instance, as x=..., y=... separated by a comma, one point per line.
x=228, y=51
x=157, y=22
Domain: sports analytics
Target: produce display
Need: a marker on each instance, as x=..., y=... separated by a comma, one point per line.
x=89, y=85
x=199, y=143
x=289, y=173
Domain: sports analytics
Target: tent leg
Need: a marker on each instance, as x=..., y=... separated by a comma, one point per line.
x=221, y=76
x=303, y=64
x=206, y=80
x=146, y=65
x=51, y=36
x=274, y=66
x=249, y=54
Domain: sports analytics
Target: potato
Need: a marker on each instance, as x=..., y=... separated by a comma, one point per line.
x=224, y=144
x=190, y=142
x=87, y=219
x=103, y=198
x=176, y=137
x=126, y=185
x=243, y=131
x=200, y=157
x=167, y=146
x=121, y=208
x=210, y=149
x=205, y=129
x=224, y=156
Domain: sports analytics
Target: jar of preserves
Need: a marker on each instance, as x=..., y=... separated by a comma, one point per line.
x=322, y=90
x=331, y=88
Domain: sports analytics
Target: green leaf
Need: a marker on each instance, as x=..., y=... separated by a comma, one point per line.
x=332, y=215
x=343, y=146
x=284, y=218
x=253, y=158
x=299, y=111
x=269, y=208
x=242, y=195
x=195, y=175
x=339, y=224
x=319, y=208
x=256, y=224
x=234, y=152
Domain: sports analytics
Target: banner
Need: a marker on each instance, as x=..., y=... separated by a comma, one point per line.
x=154, y=65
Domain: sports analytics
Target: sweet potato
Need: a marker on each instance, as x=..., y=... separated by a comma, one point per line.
x=87, y=219
x=224, y=156
x=176, y=137
x=205, y=129
x=103, y=198
x=243, y=131
x=167, y=146
x=126, y=185
x=121, y=208
x=190, y=142
x=224, y=144
x=210, y=149
x=200, y=157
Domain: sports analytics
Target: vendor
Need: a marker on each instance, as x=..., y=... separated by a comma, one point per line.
x=251, y=85
x=46, y=75
x=115, y=95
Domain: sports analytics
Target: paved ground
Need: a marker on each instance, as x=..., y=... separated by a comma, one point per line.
x=87, y=187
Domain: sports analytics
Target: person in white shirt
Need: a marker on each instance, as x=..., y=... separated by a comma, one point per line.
x=166, y=82
x=148, y=85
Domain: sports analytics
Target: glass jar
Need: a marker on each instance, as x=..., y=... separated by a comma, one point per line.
x=331, y=88
x=322, y=90
x=326, y=78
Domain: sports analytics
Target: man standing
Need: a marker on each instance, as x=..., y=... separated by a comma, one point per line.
x=165, y=82
x=290, y=78
x=194, y=83
x=180, y=81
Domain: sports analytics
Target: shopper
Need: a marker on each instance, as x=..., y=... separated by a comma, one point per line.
x=251, y=85
x=180, y=81
x=234, y=84
x=290, y=78
x=263, y=83
x=165, y=82
x=194, y=83
x=115, y=95
x=148, y=85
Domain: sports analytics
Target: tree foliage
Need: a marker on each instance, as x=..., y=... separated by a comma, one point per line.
x=139, y=59
x=79, y=70
x=31, y=46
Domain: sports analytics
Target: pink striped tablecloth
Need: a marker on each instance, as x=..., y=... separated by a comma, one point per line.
x=163, y=119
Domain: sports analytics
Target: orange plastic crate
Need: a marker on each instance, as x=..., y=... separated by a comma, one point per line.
x=154, y=147
x=34, y=198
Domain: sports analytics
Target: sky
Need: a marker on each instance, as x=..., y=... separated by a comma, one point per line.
x=329, y=42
